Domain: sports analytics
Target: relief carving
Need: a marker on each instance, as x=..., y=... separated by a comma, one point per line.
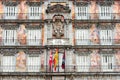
x=58, y=26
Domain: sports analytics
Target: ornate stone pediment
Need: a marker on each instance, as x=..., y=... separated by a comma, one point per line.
x=58, y=8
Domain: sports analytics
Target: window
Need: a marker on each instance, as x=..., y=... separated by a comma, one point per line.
x=33, y=62
x=10, y=12
x=82, y=61
x=107, y=62
x=82, y=36
x=106, y=36
x=34, y=37
x=105, y=12
x=9, y=37
x=82, y=12
x=8, y=63
x=35, y=12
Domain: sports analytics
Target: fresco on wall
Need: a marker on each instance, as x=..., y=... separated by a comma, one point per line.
x=94, y=34
x=117, y=59
x=117, y=34
x=21, y=61
x=116, y=9
x=1, y=10
x=22, y=35
x=95, y=60
x=22, y=10
x=94, y=10
x=1, y=31
x=42, y=62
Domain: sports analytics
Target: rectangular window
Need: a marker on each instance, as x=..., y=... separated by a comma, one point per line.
x=33, y=62
x=9, y=37
x=107, y=62
x=34, y=37
x=82, y=12
x=105, y=12
x=82, y=36
x=10, y=12
x=106, y=36
x=82, y=62
x=35, y=12
x=8, y=63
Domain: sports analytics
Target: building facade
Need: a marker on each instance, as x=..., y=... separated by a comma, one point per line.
x=59, y=40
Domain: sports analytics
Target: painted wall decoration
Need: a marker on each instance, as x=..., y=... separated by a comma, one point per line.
x=22, y=35
x=22, y=10
x=1, y=10
x=42, y=62
x=117, y=59
x=94, y=10
x=95, y=60
x=116, y=9
x=94, y=34
x=1, y=31
x=117, y=34
x=21, y=61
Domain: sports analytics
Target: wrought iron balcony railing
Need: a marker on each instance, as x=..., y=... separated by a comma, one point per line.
x=97, y=42
x=68, y=68
x=97, y=16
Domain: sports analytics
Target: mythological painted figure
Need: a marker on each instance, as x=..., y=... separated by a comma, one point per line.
x=1, y=31
x=116, y=9
x=22, y=10
x=94, y=10
x=21, y=35
x=21, y=61
x=1, y=10
x=95, y=60
x=117, y=57
x=117, y=34
x=94, y=35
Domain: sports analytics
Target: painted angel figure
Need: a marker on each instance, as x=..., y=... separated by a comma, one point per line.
x=94, y=35
x=22, y=35
x=1, y=10
x=21, y=61
x=117, y=34
x=94, y=10
x=116, y=9
x=22, y=10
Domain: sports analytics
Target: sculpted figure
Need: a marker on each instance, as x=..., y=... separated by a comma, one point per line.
x=21, y=35
x=22, y=10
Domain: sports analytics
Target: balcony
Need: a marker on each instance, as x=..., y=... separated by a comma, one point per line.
x=64, y=41
x=99, y=17
x=100, y=42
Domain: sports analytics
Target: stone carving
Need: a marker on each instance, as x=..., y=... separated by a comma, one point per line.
x=58, y=26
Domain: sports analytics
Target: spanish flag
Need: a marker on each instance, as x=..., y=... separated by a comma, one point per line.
x=55, y=60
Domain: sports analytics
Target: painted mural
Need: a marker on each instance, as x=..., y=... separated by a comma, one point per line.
x=117, y=34
x=116, y=10
x=1, y=10
x=42, y=62
x=21, y=61
x=94, y=10
x=95, y=60
x=94, y=34
x=22, y=35
x=117, y=59
x=22, y=10
x=1, y=32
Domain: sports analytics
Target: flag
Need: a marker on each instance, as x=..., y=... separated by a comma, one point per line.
x=50, y=61
x=63, y=61
x=55, y=60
